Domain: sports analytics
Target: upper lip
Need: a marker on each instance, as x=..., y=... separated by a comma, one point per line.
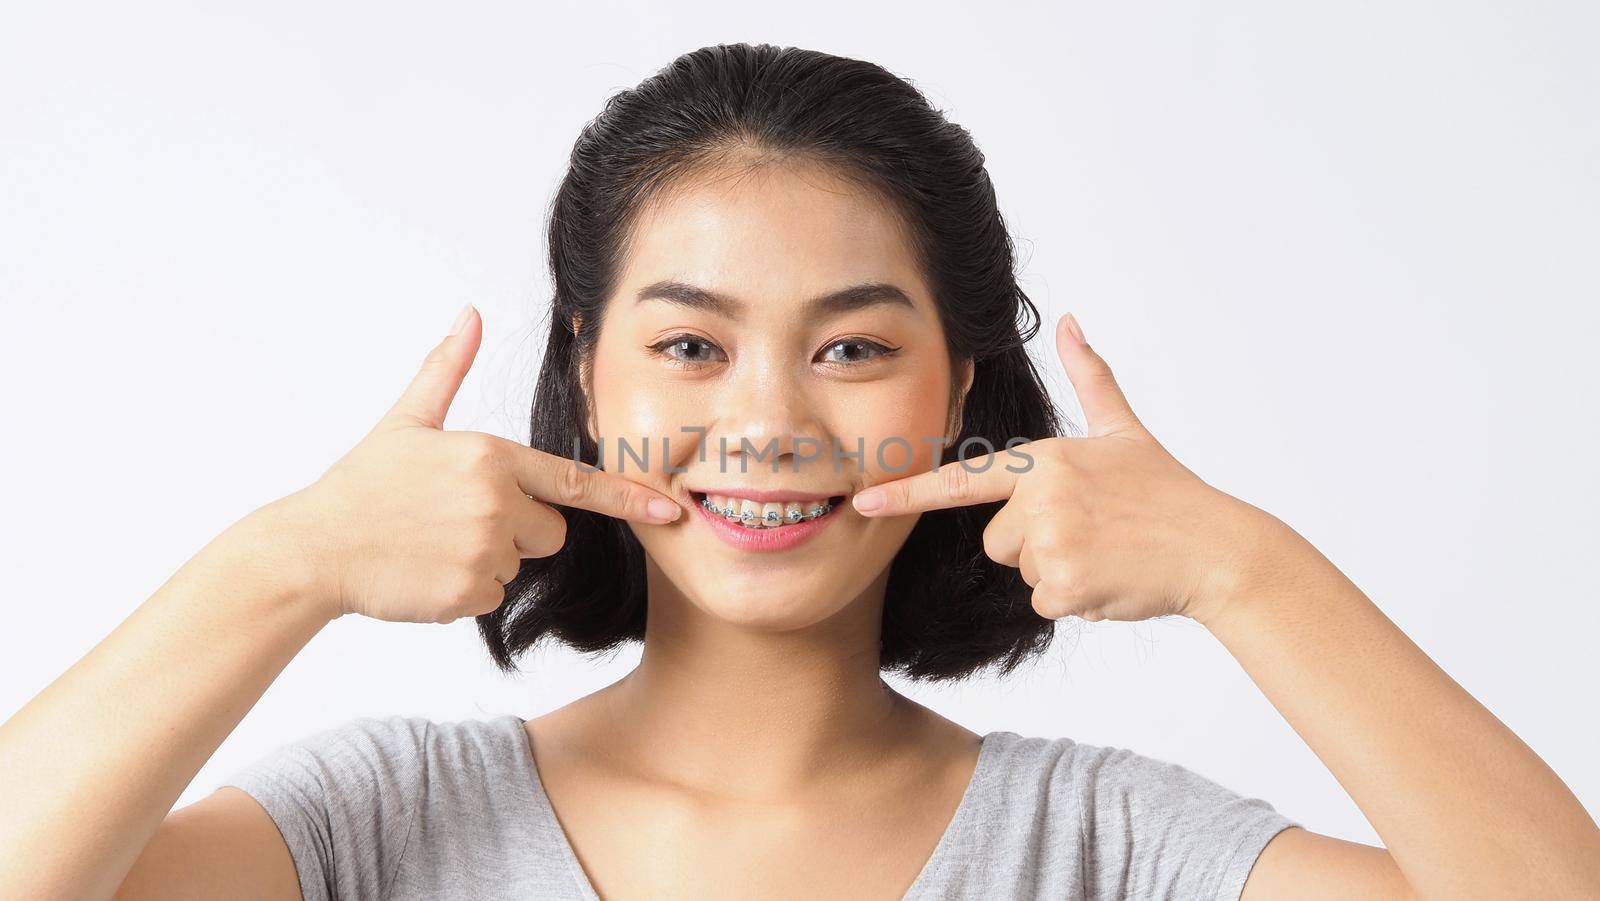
x=770, y=496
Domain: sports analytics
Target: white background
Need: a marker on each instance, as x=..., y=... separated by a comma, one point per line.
x=1342, y=257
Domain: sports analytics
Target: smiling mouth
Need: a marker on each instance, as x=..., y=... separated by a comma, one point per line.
x=759, y=516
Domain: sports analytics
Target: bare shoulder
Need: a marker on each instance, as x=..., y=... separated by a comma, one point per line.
x=1301, y=864
x=212, y=847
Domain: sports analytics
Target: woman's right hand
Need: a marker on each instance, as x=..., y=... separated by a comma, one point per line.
x=417, y=524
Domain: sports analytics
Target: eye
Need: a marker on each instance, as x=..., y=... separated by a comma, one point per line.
x=688, y=350
x=854, y=351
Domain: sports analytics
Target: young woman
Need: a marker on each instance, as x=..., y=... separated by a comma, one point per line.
x=787, y=272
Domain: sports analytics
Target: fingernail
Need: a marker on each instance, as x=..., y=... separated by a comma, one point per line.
x=461, y=320
x=663, y=509
x=868, y=501
x=1075, y=329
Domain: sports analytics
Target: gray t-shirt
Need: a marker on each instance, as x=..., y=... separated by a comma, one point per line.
x=402, y=807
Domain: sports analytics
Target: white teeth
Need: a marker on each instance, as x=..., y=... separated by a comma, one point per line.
x=755, y=515
x=749, y=512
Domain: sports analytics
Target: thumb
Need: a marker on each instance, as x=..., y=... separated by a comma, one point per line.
x=1104, y=406
x=427, y=399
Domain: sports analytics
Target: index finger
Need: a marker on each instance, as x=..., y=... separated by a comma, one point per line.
x=978, y=480
x=561, y=480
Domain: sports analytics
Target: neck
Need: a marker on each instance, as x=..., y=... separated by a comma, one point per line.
x=754, y=711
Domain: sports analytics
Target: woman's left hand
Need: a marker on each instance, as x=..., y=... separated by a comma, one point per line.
x=1108, y=526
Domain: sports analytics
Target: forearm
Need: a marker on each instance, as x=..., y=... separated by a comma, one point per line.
x=93, y=763
x=1465, y=808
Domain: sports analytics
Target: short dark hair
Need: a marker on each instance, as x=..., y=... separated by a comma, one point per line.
x=950, y=611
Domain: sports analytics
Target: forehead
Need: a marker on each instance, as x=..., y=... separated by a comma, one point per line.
x=780, y=232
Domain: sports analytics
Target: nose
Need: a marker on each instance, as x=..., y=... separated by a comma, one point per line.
x=767, y=420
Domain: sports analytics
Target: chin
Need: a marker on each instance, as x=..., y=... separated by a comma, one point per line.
x=752, y=601
x=780, y=591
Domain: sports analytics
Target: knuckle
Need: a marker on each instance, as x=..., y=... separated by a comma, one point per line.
x=991, y=543
x=482, y=452
x=1046, y=604
x=572, y=484
x=1050, y=448
x=1030, y=574
x=541, y=532
x=1107, y=382
x=1055, y=452
x=1061, y=576
x=1050, y=545
x=509, y=569
x=459, y=590
x=474, y=453
x=484, y=556
x=486, y=508
x=1096, y=361
x=552, y=538
x=995, y=545
x=957, y=482
x=493, y=601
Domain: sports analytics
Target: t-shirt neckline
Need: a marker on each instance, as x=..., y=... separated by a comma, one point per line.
x=551, y=827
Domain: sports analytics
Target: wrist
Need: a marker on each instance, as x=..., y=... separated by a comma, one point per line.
x=268, y=547
x=1261, y=551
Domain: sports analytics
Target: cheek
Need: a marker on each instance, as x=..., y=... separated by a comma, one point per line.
x=639, y=413
x=903, y=429
x=632, y=406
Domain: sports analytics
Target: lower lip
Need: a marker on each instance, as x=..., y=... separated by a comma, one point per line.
x=780, y=539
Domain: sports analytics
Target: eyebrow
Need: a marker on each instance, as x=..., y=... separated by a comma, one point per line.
x=853, y=298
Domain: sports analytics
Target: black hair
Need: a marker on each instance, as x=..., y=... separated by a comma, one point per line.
x=950, y=611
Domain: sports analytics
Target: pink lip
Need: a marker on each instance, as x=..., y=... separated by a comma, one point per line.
x=780, y=539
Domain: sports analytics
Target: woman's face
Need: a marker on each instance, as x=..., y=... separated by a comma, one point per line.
x=770, y=396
